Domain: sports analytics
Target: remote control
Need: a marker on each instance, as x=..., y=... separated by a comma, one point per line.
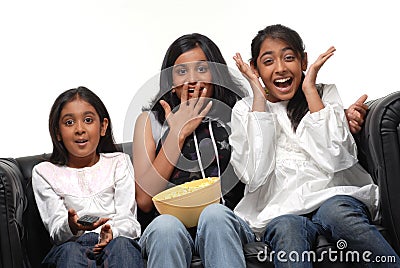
x=88, y=220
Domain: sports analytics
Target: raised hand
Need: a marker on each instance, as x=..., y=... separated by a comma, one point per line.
x=355, y=114
x=250, y=75
x=75, y=226
x=105, y=236
x=311, y=75
x=190, y=112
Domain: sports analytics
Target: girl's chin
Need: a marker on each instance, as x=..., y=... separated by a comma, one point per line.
x=277, y=95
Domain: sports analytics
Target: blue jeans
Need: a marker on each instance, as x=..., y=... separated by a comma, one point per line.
x=219, y=238
x=120, y=252
x=342, y=219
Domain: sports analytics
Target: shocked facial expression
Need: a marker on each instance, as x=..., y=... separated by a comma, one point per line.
x=191, y=68
x=280, y=68
x=80, y=131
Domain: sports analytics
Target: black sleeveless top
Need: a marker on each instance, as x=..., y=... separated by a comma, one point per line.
x=188, y=169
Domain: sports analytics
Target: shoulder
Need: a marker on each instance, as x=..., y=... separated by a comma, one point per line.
x=327, y=87
x=117, y=156
x=244, y=105
x=115, y=160
x=46, y=168
x=330, y=94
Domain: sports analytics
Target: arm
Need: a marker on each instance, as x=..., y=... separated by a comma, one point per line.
x=309, y=88
x=253, y=142
x=153, y=171
x=52, y=209
x=325, y=134
x=60, y=222
x=259, y=95
x=124, y=222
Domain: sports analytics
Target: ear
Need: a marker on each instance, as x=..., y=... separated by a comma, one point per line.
x=304, y=62
x=103, y=127
x=254, y=69
x=58, y=135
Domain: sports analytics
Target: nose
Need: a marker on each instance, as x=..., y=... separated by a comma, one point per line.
x=192, y=76
x=280, y=66
x=79, y=127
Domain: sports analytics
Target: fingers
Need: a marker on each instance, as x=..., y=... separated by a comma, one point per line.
x=98, y=223
x=105, y=228
x=99, y=247
x=325, y=56
x=354, y=127
x=166, y=107
x=71, y=213
x=206, y=109
x=185, y=93
x=196, y=92
x=355, y=116
x=239, y=61
x=362, y=99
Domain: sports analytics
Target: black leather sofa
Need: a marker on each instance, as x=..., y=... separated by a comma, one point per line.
x=24, y=241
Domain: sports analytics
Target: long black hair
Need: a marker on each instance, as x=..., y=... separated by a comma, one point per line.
x=106, y=144
x=297, y=107
x=226, y=88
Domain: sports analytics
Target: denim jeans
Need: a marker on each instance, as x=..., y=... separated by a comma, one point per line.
x=342, y=219
x=120, y=252
x=219, y=238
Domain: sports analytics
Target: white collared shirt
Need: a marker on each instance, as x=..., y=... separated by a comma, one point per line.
x=289, y=172
x=106, y=189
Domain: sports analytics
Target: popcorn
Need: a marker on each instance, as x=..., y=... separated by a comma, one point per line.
x=189, y=187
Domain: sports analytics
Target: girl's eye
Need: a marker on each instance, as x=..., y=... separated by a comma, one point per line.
x=202, y=69
x=88, y=120
x=181, y=71
x=267, y=61
x=69, y=122
x=290, y=58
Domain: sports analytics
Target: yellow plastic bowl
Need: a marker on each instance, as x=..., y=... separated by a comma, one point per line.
x=187, y=201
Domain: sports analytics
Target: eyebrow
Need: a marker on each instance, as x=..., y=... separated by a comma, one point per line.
x=185, y=64
x=71, y=114
x=270, y=52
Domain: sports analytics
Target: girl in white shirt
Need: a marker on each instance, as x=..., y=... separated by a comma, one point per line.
x=292, y=147
x=85, y=176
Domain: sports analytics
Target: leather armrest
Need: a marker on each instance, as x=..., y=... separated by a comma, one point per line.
x=12, y=205
x=379, y=152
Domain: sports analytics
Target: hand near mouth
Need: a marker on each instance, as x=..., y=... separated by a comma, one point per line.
x=188, y=114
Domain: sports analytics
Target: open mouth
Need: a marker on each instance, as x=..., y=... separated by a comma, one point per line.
x=283, y=83
x=191, y=90
x=81, y=141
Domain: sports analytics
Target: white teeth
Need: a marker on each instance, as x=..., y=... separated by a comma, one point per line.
x=283, y=80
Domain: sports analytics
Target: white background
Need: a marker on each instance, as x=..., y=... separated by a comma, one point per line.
x=114, y=47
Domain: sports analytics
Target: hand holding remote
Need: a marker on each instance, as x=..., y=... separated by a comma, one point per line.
x=75, y=226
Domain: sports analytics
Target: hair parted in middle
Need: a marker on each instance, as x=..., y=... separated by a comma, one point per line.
x=106, y=144
x=297, y=106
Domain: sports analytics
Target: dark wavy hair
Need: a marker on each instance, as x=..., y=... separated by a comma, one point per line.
x=226, y=88
x=297, y=107
x=106, y=144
